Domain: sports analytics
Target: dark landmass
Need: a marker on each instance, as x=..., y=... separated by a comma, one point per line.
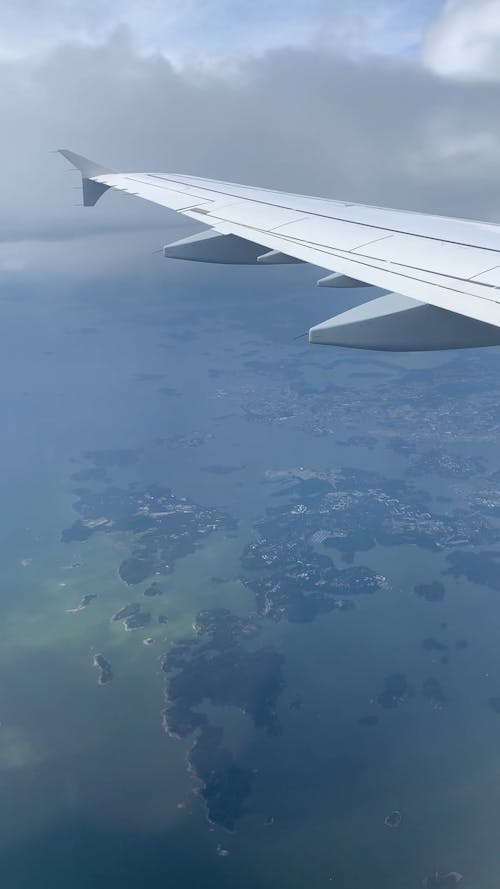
x=225, y=785
x=216, y=666
x=87, y=598
x=249, y=680
x=479, y=567
x=104, y=668
x=352, y=510
x=433, y=592
x=394, y=819
x=396, y=691
x=135, y=569
x=223, y=628
x=302, y=583
x=137, y=620
x=347, y=510
x=166, y=527
x=127, y=611
x=84, y=601
x=369, y=720
x=153, y=590
x=77, y=533
x=433, y=691
x=431, y=644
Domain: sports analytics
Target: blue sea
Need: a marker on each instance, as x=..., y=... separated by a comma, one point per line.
x=93, y=793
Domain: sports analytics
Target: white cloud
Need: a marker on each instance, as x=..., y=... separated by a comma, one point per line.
x=464, y=41
x=385, y=27
x=212, y=29
x=373, y=128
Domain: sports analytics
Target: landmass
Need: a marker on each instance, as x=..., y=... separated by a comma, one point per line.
x=84, y=601
x=216, y=665
x=104, y=668
x=394, y=819
x=479, y=567
x=137, y=620
x=165, y=527
x=127, y=611
x=153, y=589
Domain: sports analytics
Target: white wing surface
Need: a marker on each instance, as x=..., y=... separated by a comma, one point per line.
x=443, y=274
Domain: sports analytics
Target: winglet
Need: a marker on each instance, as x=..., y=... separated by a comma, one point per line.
x=92, y=190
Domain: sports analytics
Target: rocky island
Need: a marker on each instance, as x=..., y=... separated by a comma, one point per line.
x=104, y=668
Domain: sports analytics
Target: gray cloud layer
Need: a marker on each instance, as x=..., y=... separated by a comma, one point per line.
x=378, y=130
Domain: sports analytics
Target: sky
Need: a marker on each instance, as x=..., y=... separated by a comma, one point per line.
x=382, y=101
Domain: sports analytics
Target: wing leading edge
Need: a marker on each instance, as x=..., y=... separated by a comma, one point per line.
x=442, y=274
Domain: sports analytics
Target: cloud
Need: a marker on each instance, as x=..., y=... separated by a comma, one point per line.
x=213, y=29
x=464, y=41
x=376, y=129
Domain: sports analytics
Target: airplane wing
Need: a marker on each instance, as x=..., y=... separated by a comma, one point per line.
x=442, y=275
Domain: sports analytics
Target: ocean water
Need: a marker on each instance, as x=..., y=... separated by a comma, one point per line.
x=92, y=791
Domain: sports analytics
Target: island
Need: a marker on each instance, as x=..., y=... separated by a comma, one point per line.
x=127, y=611
x=220, y=664
x=84, y=601
x=154, y=589
x=137, y=620
x=394, y=819
x=104, y=668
